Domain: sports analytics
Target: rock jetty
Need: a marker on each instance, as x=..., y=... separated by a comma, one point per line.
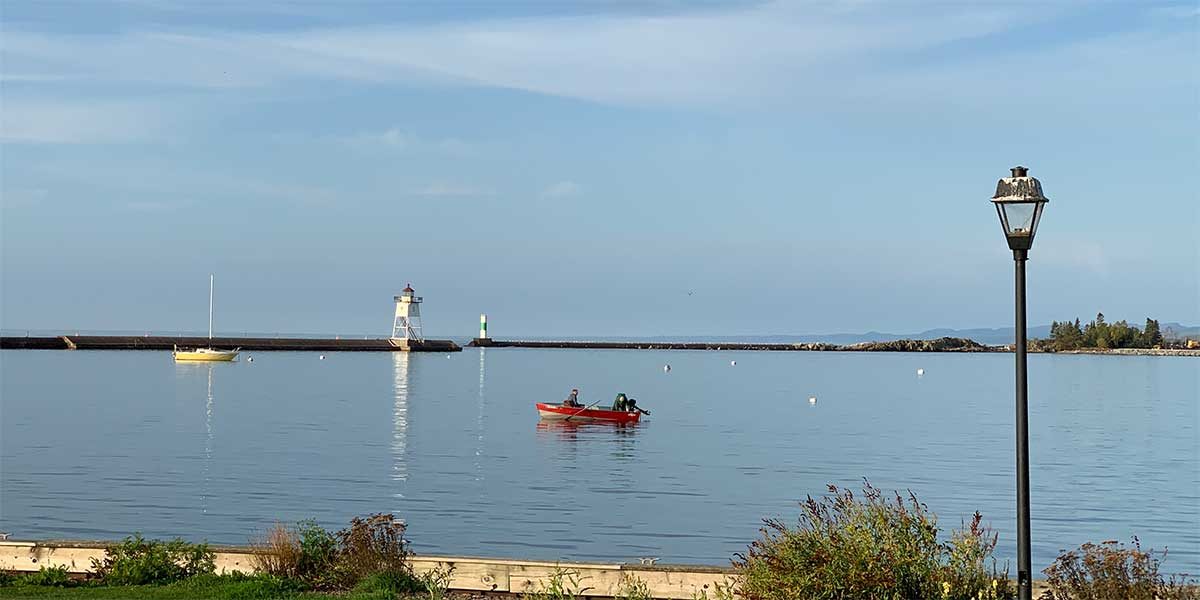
x=942, y=344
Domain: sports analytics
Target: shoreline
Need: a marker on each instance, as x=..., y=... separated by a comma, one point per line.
x=284, y=344
x=499, y=577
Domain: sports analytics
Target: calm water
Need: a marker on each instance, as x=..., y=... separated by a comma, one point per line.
x=101, y=444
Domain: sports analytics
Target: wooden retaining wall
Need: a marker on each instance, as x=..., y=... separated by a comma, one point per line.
x=470, y=573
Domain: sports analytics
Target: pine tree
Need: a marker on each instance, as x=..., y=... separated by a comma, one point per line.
x=1151, y=336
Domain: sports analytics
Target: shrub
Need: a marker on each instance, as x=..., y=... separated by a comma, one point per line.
x=969, y=564
x=1111, y=570
x=47, y=576
x=277, y=552
x=137, y=561
x=306, y=552
x=873, y=547
x=437, y=582
x=390, y=582
x=371, y=545
x=632, y=588
x=563, y=584
x=318, y=554
x=7, y=579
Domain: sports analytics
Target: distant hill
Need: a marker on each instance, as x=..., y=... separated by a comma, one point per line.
x=986, y=336
x=1004, y=335
x=983, y=336
x=1177, y=331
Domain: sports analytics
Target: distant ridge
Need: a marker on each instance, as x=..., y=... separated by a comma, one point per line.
x=989, y=337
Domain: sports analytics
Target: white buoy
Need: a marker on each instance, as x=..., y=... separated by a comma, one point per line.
x=812, y=399
x=322, y=357
x=666, y=368
x=920, y=372
x=733, y=363
x=249, y=359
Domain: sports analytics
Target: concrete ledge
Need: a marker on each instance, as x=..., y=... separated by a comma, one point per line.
x=133, y=342
x=675, y=582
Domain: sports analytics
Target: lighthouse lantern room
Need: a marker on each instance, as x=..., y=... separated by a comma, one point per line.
x=407, y=324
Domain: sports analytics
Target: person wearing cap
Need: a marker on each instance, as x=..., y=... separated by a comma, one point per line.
x=621, y=403
x=572, y=399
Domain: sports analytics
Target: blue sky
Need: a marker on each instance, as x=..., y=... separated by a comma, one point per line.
x=578, y=169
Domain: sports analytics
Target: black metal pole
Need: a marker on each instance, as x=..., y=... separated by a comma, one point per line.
x=1024, y=575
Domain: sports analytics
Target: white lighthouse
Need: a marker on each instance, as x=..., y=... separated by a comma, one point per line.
x=407, y=324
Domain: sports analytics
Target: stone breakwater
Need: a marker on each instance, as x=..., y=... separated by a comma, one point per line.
x=247, y=344
x=946, y=344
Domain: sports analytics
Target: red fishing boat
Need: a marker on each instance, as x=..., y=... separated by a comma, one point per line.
x=558, y=412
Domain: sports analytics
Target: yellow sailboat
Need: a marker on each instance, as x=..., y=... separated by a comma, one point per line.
x=208, y=354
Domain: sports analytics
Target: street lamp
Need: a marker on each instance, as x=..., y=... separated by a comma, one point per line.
x=1019, y=202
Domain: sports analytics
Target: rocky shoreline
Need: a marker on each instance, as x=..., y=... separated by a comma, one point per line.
x=1131, y=351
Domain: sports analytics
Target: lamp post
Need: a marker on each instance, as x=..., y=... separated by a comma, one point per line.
x=1019, y=203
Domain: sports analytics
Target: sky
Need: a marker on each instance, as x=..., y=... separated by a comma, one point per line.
x=592, y=168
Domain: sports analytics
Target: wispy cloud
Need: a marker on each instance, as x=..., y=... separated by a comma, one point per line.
x=452, y=190
x=42, y=120
x=808, y=56
x=391, y=138
x=562, y=189
x=1076, y=255
x=21, y=197
x=696, y=58
x=396, y=138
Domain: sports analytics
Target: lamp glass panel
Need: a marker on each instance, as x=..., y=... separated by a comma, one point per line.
x=1019, y=217
x=1037, y=217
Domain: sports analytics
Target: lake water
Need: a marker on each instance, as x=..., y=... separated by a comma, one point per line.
x=101, y=444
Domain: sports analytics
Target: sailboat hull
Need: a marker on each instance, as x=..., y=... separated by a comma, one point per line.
x=204, y=355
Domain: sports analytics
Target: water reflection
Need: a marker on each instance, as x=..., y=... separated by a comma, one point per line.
x=208, y=444
x=479, y=419
x=400, y=417
x=617, y=440
x=186, y=372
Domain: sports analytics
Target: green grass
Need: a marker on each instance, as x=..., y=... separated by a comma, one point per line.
x=174, y=592
x=205, y=587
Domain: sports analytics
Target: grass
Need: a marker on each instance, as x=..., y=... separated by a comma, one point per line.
x=224, y=590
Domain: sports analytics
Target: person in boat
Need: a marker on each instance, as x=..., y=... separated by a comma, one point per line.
x=572, y=400
x=621, y=403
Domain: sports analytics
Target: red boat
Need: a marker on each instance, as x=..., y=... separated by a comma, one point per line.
x=558, y=412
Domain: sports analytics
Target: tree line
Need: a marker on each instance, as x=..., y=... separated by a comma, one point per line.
x=1069, y=335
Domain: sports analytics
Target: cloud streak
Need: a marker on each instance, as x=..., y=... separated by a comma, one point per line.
x=806, y=57
x=562, y=189
x=776, y=51
x=50, y=121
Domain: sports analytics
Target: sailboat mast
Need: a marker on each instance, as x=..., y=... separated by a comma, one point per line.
x=210, y=300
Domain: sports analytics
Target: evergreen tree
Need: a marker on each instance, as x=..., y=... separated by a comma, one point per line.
x=1151, y=336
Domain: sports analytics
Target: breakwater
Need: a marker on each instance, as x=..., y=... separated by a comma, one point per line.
x=945, y=344
x=133, y=342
